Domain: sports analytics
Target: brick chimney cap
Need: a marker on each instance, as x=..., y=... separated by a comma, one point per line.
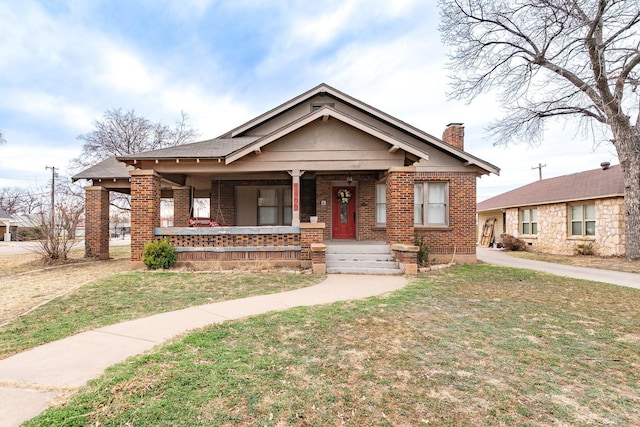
x=455, y=124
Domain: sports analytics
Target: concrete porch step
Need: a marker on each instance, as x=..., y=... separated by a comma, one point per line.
x=357, y=270
x=361, y=258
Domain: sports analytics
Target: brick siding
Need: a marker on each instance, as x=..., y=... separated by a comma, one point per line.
x=96, y=242
x=460, y=235
x=145, y=210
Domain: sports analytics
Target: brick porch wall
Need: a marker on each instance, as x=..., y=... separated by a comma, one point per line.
x=145, y=209
x=96, y=243
x=181, y=206
x=460, y=235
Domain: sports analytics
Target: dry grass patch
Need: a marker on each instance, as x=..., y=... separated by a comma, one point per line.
x=474, y=345
x=605, y=263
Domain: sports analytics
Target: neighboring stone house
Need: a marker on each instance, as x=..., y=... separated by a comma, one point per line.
x=319, y=169
x=563, y=214
x=7, y=226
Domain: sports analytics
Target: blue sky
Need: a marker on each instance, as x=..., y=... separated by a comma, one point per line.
x=64, y=62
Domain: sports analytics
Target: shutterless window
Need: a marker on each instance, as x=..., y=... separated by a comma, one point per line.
x=529, y=221
x=267, y=206
x=431, y=204
x=381, y=203
x=583, y=219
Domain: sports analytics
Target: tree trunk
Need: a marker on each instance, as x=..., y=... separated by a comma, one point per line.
x=627, y=142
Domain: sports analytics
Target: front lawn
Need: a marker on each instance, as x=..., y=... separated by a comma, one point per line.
x=473, y=345
x=120, y=297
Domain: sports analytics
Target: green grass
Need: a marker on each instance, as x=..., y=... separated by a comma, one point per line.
x=473, y=345
x=132, y=295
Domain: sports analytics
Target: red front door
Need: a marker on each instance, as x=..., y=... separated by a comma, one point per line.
x=343, y=218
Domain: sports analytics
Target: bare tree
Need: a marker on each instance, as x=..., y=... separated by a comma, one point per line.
x=2, y=140
x=58, y=232
x=15, y=200
x=120, y=133
x=554, y=58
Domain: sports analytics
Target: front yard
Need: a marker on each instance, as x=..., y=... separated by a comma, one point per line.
x=472, y=345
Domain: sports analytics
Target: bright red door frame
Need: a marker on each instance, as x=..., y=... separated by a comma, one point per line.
x=343, y=217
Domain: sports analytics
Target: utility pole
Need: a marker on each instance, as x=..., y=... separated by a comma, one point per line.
x=539, y=167
x=53, y=195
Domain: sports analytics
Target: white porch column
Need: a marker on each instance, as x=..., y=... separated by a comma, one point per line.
x=295, y=196
x=7, y=234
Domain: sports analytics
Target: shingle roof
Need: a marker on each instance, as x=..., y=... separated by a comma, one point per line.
x=592, y=184
x=107, y=169
x=211, y=148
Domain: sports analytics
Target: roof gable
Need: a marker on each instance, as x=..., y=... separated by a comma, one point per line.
x=592, y=184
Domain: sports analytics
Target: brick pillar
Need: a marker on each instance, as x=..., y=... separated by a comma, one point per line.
x=96, y=212
x=145, y=209
x=181, y=206
x=400, y=184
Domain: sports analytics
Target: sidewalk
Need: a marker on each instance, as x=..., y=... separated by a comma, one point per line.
x=499, y=257
x=31, y=381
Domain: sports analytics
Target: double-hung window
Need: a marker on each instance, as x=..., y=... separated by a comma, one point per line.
x=381, y=203
x=583, y=219
x=529, y=221
x=431, y=204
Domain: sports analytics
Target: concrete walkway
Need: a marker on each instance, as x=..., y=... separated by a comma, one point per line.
x=31, y=381
x=499, y=257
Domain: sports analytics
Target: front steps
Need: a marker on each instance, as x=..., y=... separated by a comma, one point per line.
x=360, y=258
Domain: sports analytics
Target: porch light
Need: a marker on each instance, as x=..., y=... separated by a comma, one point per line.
x=349, y=179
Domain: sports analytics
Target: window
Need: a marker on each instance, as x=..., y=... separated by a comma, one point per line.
x=529, y=221
x=431, y=204
x=267, y=206
x=583, y=219
x=381, y=203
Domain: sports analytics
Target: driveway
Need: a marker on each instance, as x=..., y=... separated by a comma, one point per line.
x=499, y=257
x=15, y=248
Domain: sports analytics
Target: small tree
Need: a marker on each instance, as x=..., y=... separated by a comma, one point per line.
x=58, y=233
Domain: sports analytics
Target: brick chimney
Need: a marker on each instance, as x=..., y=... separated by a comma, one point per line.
x=454, y=135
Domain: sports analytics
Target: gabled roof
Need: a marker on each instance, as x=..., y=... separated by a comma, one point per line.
x=235, y=144
x=325, y=89
x=592, y=184
x=326, y=112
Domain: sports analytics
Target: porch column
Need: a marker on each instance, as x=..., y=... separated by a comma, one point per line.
x=400, y=187
x=96, y=232
x=295, y=196
x=181, y=206
x=145, y=209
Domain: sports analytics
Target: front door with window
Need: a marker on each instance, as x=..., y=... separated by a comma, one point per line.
x=343, y=219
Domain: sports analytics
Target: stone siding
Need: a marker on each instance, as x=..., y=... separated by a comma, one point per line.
x=553, y=229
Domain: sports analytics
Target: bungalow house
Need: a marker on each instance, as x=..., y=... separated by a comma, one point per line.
x=320, y=169
x=7, y=225
x=560, y=215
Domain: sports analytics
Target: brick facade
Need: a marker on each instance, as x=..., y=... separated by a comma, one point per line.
x=459, y=236
x=181, y=206
x=96, y=243
x=145, y=209
x=400, y=188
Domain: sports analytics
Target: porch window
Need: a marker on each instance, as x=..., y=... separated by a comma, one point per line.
x=381, y=203
x=267, y=206
x=583, y=219
x=529, y=221
x=263, y=205
x=431, y=204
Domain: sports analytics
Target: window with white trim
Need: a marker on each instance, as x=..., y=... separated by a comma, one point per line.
x=582, y=219
x=529, y=221
x=431, y=204
x=381, y=203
